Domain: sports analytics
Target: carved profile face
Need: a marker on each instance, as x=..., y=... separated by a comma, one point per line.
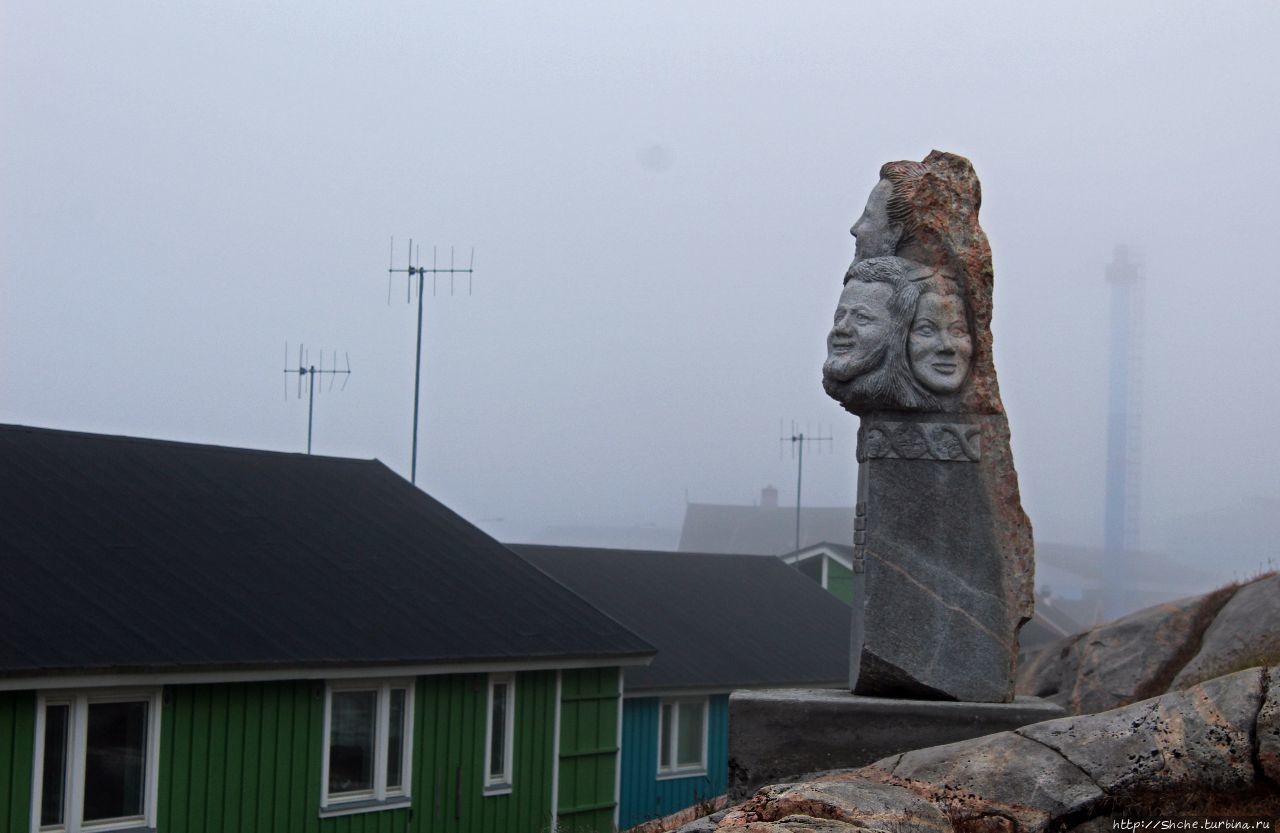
x=863, y=328
x=940, y=346
x=876, y=234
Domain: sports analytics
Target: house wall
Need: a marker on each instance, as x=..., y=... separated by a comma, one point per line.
x=241, y=757
x=643, y=795
x=17, y=745
x=449, y=728
x=840, y=581
x=588, y=749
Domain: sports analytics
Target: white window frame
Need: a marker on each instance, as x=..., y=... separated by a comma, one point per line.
x=500, y=784
x=673, y=733
x=380, y=797
x=78, y=703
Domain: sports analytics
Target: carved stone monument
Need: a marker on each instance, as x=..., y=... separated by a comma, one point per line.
x=942, y=549
x=943, y=555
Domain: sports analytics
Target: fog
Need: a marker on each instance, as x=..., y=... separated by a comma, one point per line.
x=659, y=198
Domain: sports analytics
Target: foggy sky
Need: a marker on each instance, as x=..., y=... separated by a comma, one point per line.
x=659, y=195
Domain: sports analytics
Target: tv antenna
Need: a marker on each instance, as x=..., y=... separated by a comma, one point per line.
x=798, y=440
x=310, y=372
x=414, y=267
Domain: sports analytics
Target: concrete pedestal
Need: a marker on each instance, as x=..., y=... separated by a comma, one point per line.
x=775, y=736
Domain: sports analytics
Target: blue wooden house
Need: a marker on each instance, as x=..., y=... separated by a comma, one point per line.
x=196, y=639
x=719, y=622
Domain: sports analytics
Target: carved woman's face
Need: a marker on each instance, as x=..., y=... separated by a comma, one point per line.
x=860, y=335
x=940, y=346
x=877, y=237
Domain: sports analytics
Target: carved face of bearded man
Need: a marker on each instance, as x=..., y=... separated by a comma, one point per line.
x=862, y=330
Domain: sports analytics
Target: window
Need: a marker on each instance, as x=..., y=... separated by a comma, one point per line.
x=95, y=760
x=682, y=738
x=368, y=729
x=499, y=734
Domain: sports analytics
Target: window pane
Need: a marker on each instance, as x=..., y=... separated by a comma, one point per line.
x=664, y=736
x=351, y=729
x=55, y=764
x=689, y=743
x=115, y=760
x=498, y=735
x=395, y=740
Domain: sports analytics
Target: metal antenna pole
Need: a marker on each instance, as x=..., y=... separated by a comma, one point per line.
x=417, y=383
x=798, y=440
x=305, y=368
x=412, y=271
x=799, y=480
x=311, y=401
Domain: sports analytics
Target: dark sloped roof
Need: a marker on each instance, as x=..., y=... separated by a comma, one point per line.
x=761, y=530
x=122, y=554
x=718, y=621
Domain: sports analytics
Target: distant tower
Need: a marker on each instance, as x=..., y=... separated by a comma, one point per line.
x=1124, y=437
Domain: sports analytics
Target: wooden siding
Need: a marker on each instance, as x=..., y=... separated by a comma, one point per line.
x=243, y=757
x=840, y=581
x=644, y=796
x=588, y=750
x=237, y=758
x=449, y=729
x=247, y=757
x=17, y=746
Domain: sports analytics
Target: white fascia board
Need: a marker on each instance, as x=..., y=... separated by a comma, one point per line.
x=815, y=551
x=706, y=691
x=632, y=694
x=847, y=563
x=103, y=680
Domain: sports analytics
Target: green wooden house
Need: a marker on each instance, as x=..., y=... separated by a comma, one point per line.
x=830, y=565
x=720, y=623
x=215, y=640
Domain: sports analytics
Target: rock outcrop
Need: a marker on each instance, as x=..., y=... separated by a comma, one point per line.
x=1214, y=747
x=1162, y=648
x=1245, y=632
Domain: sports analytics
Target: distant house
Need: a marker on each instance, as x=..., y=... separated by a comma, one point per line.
x=763, y=529
x=216, y=639
x=831, y=565
x=719, y=622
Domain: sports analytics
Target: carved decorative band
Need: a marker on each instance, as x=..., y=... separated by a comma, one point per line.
x=949, y=441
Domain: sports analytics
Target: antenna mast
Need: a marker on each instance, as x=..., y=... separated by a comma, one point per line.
x=797, y=440
x=414, y=267
x=1124, y=432
x=310, y=371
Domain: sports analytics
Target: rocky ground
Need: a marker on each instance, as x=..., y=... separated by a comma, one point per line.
x=1161, y=648
x=1177, y=710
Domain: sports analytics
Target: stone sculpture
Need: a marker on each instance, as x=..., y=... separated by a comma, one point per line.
x=943, y=551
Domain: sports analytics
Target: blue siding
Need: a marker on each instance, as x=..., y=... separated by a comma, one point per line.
x=643, y=796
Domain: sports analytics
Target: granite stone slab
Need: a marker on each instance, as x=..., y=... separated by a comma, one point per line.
x=1198, y=739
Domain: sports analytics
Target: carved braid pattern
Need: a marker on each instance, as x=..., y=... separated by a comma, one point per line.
x=945, y=441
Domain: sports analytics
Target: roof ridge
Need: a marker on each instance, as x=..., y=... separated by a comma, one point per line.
x=633, y=551
x=39, y=429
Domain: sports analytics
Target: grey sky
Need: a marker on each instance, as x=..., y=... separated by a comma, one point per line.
x=659, y=195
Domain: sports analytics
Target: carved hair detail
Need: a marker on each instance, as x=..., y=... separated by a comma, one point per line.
x=903, y=177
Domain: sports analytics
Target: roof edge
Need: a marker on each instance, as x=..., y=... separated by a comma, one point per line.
x=113, y=679
x=129, y=438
